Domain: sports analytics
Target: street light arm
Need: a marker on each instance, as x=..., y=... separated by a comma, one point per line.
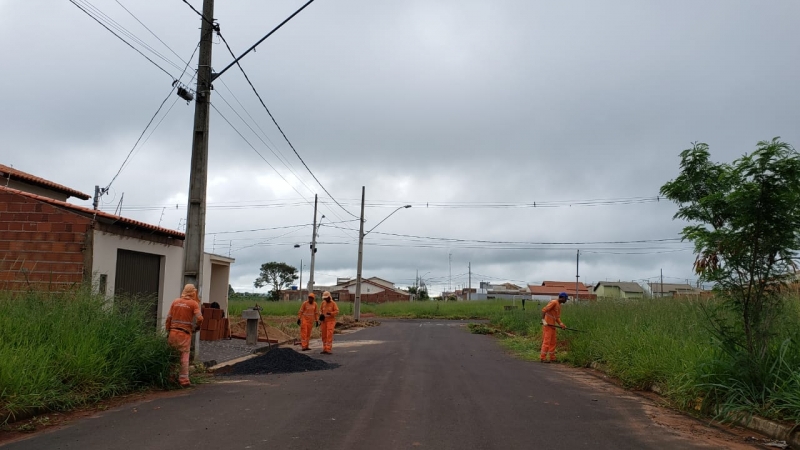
x=384, y=219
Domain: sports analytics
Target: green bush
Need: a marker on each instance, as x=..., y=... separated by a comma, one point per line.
x=68, y=349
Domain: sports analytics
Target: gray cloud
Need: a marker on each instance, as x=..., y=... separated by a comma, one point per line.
x=448, y=101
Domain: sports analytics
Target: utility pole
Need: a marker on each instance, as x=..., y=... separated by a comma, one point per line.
x=469, y=288
x=662, y=283
x=313, y=249
x=450, y=265
x=198, y=174
x=577, y=272
x=301, y=280
x=357, y=303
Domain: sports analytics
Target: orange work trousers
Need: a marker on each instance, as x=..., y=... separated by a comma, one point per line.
x=326, y=333
x=182, y=341
x=548, y=343
x=306, y=325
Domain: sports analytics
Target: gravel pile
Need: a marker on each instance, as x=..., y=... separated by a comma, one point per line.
x=279, y=360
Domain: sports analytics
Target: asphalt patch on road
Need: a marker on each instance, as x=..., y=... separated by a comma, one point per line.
x=275, y=361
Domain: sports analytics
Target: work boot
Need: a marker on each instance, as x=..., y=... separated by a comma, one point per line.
x=305, y=349
x=324, y=352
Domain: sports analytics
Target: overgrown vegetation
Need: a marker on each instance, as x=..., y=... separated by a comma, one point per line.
x=666, y=343
x=744, y=222
x=59, y=351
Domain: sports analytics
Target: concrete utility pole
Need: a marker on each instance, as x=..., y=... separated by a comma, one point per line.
x=662, y=282
x=450, y=268
x=198, y=175
x=357, y=303
x=313, y=249
x=301, y=280
x=469, y=288
x=577, y=272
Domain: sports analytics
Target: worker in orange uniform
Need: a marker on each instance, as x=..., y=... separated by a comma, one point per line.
x=306, y=318
x=180, y=328
x=551, y=315
x=328, y=318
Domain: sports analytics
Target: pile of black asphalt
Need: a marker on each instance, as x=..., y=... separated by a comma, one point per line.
x=276, y=361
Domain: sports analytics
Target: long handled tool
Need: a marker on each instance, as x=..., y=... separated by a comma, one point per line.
x=568, y=329
x=261, y=319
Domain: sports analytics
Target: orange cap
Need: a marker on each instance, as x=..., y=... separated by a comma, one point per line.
x=311, y=295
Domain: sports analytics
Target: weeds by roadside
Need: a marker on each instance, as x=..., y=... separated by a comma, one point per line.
x=63, y=350
x=666, y=343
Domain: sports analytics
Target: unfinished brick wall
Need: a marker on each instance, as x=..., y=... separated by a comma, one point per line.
x=41, y=246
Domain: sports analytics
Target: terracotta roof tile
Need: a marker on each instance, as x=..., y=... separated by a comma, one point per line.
x=97, y=213
x=14, y=174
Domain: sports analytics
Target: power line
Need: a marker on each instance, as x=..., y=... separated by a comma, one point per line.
x=140, y=138
x=482, y=241
x=238, y=64
x=261, y=229
x=259, y=137
x=122, y=166
x=213, y=25
x=151, y=31
x=122, y=39
x=257, y=152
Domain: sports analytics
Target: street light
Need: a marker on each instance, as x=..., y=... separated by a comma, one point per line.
x=361, y=234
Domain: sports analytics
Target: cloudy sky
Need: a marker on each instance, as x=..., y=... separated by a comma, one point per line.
x=470, y=111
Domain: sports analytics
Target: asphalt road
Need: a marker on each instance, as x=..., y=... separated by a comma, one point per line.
x=402, y=385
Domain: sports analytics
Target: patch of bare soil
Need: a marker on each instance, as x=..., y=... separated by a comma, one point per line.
x=44, y=423
x=699, y=432
x=347, y=322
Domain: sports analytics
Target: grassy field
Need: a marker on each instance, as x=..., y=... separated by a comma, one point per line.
x=59, y=352
x=409, y=310
x=666, y=343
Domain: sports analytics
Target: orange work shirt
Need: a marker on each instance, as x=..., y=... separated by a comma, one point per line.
x=330, y=307
x=181, y=314
x=552, y=313
x=308, y=311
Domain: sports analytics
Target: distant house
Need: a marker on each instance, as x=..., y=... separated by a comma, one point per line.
x=673, y=290
x=494, y=291
x=550, y=289
x=373, y=290
x=49, y=244
x=618, y=289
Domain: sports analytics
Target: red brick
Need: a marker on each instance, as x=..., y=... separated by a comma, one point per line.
x=42, y=226
x=15, y=226
x=14, y=207
x=28, y=226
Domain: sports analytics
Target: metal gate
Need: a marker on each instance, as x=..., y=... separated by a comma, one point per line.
x=138, y=279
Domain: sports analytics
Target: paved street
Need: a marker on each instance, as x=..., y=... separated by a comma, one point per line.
x=402, y=385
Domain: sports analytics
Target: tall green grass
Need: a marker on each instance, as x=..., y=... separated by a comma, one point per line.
x=666, y=343
x=409, y=310
x=59, y=351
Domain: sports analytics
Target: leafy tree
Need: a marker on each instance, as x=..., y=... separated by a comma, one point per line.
x=421, y=292
x=279, y=275
x=745, y=219
x=231, y=292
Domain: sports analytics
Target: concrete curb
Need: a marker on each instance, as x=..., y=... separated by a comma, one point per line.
x=766, y=427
